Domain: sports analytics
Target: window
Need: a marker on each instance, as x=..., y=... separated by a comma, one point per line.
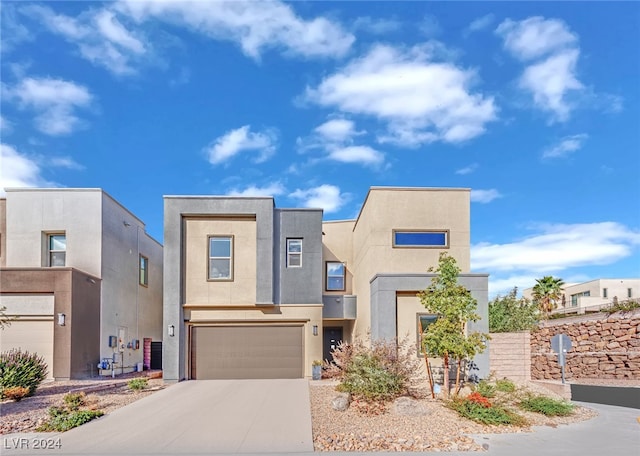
x=423, y=322
x=574, y=298
x=57, y=248
x=421, y=239
x=144, y=271
x=605, y=293
x=220, y=257
x=294, y=253
x=629, y=293
x=335, y=276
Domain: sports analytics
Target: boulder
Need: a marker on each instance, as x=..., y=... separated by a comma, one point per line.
x=407, y=406
x=341, y=402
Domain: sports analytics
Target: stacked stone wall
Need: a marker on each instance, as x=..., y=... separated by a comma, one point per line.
x=603, y=347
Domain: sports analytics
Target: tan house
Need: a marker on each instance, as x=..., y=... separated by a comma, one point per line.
x=254, y=291
x=82, y=278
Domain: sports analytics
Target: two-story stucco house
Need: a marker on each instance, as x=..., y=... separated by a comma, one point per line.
x=82, y=277
x=254, y=291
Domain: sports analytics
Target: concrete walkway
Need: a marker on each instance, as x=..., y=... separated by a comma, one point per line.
x=195, y=417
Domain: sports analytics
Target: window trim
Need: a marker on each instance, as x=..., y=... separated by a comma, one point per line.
x=326, y=276
x=446, y=233
x=289, y=254
x=419, y=331
x=49, y=236
x=145, y=282
x=231, y=258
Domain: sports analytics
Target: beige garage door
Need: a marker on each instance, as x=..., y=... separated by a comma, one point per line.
x=258, y=351
x=31, y=336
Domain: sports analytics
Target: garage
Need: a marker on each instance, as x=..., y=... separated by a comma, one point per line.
x=246, y=352
x=31, y=336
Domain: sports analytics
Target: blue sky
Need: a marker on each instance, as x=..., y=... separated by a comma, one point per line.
x=534, y=106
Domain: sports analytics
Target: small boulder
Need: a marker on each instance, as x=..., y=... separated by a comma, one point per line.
x=341, y=402
x=407, y=406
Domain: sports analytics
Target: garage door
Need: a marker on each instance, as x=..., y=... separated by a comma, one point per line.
x=31, y=336
x=259, y=351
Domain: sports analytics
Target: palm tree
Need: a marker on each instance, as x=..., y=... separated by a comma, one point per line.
x=546, y=292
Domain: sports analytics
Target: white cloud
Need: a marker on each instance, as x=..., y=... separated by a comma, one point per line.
x=55, y=102
x=18, y=170
x=13, y=32
x=467, y=169
x=5, y=125
x=327, y=197
x=535, y=37
x=558, y=247
x=484, y=196
x=420, y=100
x=376, y=26
x=552, y=81
x=100, y=36
x=479, y=24
x=565, y=146
x=357, y=154
x=242, y=139
x=430, y=26
x=255, y=26
x=337, y=130
x=272, y=189
x=65, y=162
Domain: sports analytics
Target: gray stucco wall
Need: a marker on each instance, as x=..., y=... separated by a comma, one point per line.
x=384, y=288
x=177, y=207
x=301, y=285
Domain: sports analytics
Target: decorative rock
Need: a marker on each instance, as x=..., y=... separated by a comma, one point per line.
x=341, y=402
x=407, y=406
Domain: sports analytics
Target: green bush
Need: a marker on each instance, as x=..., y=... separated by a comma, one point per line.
x=546, y=405
x=505, y=385
x=486, y=389
x=510, y=313
x=367, y=377
x=23, y=369
x=74, y=401
x=61, y=419
x=137, y=384
x=492, y=415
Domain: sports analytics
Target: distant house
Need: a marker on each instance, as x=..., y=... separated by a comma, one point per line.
x=594, y=294
x=255, y=291
x=82, y=276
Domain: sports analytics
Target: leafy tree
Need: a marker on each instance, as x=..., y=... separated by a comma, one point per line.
x=5, y=320
x=447, y=337
x=510, y=313
x=546, y=293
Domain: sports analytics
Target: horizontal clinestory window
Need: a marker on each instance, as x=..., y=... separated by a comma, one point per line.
x=220, y=258
x=426, y=239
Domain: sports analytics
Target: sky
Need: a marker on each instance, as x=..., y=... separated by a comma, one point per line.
x=533, y=106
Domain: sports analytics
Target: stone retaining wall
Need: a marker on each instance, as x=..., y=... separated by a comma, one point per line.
x=603, y=347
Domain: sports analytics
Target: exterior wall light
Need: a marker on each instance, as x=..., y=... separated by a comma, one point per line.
x=172, y=330
x=315, y=330
x=61, y=319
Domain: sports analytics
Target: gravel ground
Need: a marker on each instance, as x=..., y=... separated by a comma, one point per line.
x=31, y=412
x=441, y=430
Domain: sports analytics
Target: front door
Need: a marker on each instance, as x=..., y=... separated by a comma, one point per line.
x=331, y=338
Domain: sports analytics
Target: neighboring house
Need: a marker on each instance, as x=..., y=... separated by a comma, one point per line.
x=82, y=277
x=253, y=291
x=593, y=295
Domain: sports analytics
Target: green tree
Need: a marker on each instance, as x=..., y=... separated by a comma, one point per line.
x=5, y=320
x=448, y=337
x=546, y=293
x=510, y=313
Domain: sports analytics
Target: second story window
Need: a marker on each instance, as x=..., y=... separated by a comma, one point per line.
x=629, y=292
x=421, y=239
x=144, y=271
x=57, y=249
x=220, y=258
x=335, y=276
x=294, y=253
x=605, y=293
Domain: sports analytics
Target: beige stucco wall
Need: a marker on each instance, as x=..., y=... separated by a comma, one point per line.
x=337, y=245
x=308, y=315
x=239, y=291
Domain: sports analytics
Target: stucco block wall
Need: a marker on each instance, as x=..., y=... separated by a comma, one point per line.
x=510, y=355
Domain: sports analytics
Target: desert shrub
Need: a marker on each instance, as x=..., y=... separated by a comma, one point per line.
x=478, y=408
x=367, y=377
x=62, y=419
x=486, y=389
x=546, y=405
x=510, y=313
x=137, y=384
x=23, y=369
x=73, y=401
x=15, y=392
x=504, y=385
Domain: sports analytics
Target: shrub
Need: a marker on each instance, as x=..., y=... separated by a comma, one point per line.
x=15, y=392
x=486, y=389
x=61, y=420
x=367, y=377
x=137, y=384
x=23, y=369
x=546, y=405
x=74, y=401
x=505, y=385
x=476, y=409
x=510, y=313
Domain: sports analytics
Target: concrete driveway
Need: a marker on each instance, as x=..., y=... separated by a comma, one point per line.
x=200, y=417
